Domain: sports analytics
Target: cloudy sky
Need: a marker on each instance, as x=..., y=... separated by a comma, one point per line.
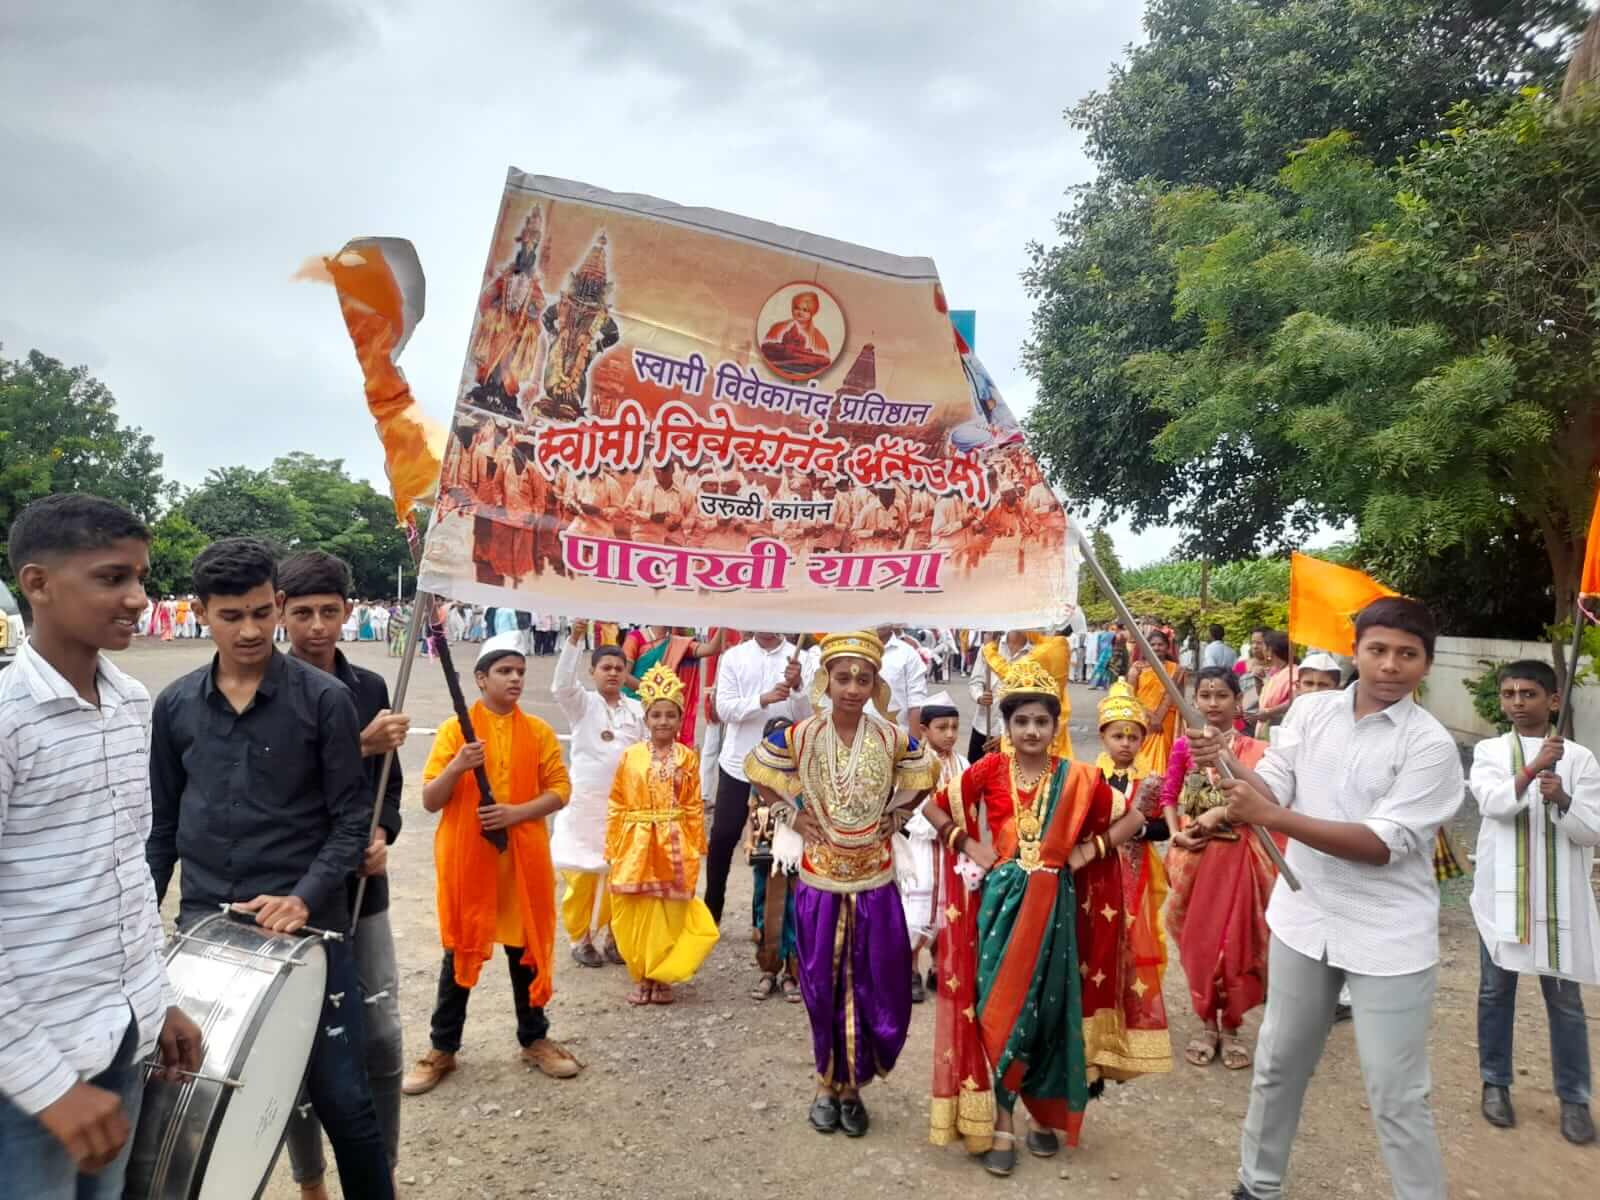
x=168, y=165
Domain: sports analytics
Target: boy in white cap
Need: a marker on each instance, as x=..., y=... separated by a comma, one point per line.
x=488, y=895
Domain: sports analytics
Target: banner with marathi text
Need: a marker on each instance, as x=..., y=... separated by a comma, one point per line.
x=668, y=410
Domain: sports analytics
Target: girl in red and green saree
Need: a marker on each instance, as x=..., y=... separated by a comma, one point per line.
x=1036, y=981
x=651, y=646
x=840, y=786
x=1220, y=883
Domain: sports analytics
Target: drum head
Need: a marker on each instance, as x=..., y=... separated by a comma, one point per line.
x=271, y=1066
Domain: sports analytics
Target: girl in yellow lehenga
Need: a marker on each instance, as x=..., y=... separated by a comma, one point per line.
x=1161, y=716
x=655, y=837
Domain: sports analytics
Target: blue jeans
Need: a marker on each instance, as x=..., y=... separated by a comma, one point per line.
x=1569, y=1033
x=385, y=1061
x=37, y=1167
x=336, y=1082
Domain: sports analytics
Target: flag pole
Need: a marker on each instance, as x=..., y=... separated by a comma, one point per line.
x=1190, y=715
x=1579, y=617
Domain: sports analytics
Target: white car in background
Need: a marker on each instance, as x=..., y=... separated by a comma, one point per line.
x=11, y=630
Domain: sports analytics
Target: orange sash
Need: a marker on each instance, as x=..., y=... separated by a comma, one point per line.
x=465, y=864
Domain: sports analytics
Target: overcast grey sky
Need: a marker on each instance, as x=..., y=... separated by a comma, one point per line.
x=167, y=166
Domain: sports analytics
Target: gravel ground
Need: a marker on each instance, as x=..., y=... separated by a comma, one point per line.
x=708, y=1098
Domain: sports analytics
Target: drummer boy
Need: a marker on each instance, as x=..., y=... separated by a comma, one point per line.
x=83, y=985
x=256, y=772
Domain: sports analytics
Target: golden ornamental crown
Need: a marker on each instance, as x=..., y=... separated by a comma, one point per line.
x=1121, y=704
x=660, y=683
x=1027, y=677
x=863, y=643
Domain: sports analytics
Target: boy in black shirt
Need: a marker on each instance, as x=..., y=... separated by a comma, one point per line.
x=314, y=594
x=257, y=785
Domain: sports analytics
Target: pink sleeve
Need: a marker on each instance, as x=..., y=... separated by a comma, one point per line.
x=1177, y=768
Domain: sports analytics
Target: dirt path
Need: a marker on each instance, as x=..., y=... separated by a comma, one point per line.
x=708, y=1098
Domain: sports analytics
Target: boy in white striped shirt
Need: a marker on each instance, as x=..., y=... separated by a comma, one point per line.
x=84, y=996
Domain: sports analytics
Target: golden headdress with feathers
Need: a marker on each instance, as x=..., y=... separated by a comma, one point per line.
x=1121, y=704
x=1027, y=677
x=661, y=683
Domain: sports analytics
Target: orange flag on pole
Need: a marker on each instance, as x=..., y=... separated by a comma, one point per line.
x=1589, y=584
x=381, y=294
x=1323, y=599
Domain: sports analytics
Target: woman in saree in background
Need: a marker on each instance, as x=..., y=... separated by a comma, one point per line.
x=1277, y=693
x=1220, y=880
x=1161, y=715
x=1035, y=978
x=652, y=646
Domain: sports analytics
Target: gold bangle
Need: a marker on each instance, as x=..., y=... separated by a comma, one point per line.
x=1100, y=847
x=953, y=838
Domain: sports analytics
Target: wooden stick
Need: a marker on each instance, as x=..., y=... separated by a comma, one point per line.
x=1190, y=715
x=401, y=684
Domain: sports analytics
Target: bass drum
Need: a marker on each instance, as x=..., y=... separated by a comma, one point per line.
x=257, y=997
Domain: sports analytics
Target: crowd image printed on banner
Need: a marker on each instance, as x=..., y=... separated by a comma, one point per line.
x=663, y=405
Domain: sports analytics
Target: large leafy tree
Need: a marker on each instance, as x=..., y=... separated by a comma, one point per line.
x=301, y=502
x=1415, y=347
x=1220, y=93
x=59, y=432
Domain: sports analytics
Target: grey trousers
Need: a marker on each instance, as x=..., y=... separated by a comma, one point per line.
x=380, y=989
x=1392, y=1014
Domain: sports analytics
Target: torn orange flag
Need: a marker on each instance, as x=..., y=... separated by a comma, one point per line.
x=1323, y=599
x=1589, y=584
x=381, y=293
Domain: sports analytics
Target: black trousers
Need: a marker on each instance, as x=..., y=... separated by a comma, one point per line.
x=727, y=828
x=975, y=749
x=450, y=1008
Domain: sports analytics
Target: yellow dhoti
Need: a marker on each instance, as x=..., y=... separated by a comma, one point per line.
x=664, y=941
x=586, y=905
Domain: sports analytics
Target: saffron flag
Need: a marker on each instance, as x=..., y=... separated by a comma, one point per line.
x=1589, y=583
x=1323, y=600
x=381, y=294
x=663, y=407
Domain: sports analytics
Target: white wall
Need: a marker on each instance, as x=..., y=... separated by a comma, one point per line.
x=1456, y=660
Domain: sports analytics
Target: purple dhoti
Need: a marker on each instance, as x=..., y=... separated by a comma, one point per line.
x=855, y=977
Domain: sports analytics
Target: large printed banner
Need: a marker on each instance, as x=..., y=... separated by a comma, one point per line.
x=669, y=411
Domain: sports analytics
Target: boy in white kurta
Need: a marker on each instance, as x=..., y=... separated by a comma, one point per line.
x=604, y=723
x=942, y=725
x=1532, y=899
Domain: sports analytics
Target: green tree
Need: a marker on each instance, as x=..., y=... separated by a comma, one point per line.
x=59, y=432
x=239, y=502
x=1105, y=553
x=1220, y=93
x=1223, y=89
x=1429, y=375
x=301, y=502
x=174, y=542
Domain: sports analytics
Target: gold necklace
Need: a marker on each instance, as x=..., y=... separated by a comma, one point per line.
x=1029, y=819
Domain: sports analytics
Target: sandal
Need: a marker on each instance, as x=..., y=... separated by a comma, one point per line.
x=662, y=994
x=766, y=988
x=1235, y=1055
x=1002, y=1158
x=1202, y=1050
x=640, y=994
x=791, y=989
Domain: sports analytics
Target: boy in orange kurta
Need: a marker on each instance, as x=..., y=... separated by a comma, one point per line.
x=487, y=896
